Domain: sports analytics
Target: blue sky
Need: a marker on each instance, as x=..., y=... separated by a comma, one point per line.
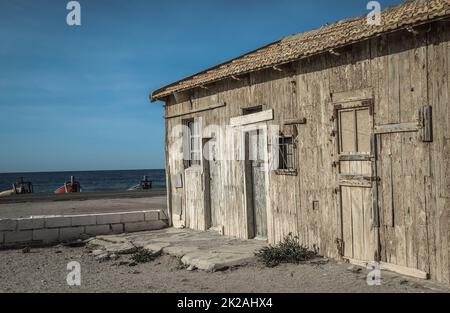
x=76, y=98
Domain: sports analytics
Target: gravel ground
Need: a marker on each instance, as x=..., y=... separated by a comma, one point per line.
x=44, y=270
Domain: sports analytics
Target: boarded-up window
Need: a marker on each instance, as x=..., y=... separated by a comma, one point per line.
x=347, y=140
x=192, y=143
x=354, y=126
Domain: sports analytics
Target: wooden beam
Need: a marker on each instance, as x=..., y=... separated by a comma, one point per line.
x=396, y=128
x=353, y=95
x=356, y=157
x=211, y=107
x=252, y=118
x=356, y=180
x=355, y=183
x=403, y=270
x=356, y=177
x=299, y=121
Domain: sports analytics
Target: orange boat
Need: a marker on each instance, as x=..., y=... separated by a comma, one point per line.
x=69, y=187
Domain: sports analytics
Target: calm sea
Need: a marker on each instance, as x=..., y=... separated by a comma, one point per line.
x=90, y=181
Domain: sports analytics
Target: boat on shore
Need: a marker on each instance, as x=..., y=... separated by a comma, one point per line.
x=7, y=193
x=19, y=188
x=145, y=184
x=71, y=186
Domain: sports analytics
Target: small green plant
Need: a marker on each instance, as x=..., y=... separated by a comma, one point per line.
x=144, y=256
x=287, y=251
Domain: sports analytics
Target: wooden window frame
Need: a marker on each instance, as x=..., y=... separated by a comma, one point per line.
x=190, y=144
x=286, y=165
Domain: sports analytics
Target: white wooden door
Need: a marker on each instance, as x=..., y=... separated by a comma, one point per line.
x=214, y=185
x=195, y=215
x=256, y=177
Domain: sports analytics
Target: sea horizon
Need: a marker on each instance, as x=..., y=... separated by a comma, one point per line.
x=91, y=181
x=82, y=171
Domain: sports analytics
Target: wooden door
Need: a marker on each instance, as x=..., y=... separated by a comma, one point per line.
x=214, y=184
x=403, y=168
x=356, y=180
x=195, y=217
x=257, y=180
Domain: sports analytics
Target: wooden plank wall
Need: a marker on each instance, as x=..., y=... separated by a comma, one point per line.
x=405, y=72
x=404, y=159
x=437, y=191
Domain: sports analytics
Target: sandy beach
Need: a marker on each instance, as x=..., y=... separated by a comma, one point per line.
x=81, y=203
x=44, y=270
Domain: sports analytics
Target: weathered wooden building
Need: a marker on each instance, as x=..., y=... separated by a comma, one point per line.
x=364, y=119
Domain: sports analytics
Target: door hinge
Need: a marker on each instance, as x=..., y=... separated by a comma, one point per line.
x=425, y=117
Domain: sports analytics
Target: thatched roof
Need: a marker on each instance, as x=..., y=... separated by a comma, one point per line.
x=313, y=42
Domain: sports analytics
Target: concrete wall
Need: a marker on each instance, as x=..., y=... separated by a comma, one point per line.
x=52, y=229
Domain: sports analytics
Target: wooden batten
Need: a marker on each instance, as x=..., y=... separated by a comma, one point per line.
x=299, y=121
x=353, y=95
x=393, y=268
x=208, y=108
x=397, y=128
x=356, y=157
x=252, y=118
x=408, y=271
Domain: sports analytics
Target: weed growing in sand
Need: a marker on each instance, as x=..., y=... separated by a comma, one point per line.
x=144, y=256
x=287, y=251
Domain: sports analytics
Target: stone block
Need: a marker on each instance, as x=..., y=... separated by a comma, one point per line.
x=98, y=230
x=57, y=221
x=152, y=216
x=8, y=224
x=84, y=220
x=144, y=226
x=132, y=217
x=117, y=228
x=18, y=236
x=46, y=234
x=104, y=219
x=71, y=233
x=30, y=223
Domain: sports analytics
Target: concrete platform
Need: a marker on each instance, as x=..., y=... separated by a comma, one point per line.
x=207, y=251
